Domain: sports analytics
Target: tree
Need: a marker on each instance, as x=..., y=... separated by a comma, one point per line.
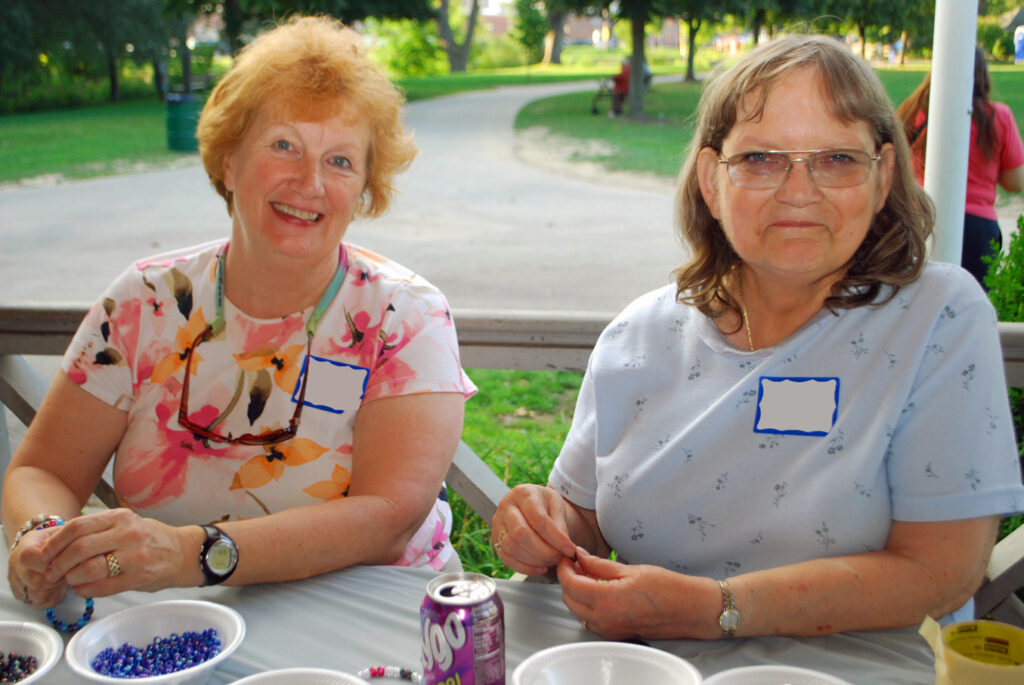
x=528, y=29
x=458, y=53
x=18, y=50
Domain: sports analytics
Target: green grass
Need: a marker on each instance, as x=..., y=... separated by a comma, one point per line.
x=516, y=423
x=81, y=143
x=656, y=145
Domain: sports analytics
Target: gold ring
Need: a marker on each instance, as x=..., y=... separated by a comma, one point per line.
x=583, y=622
x=113, y=565
x=501, y=536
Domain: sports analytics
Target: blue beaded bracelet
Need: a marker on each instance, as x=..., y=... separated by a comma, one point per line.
x=51, y=615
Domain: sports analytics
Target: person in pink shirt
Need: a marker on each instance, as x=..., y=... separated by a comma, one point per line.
x=996, y=158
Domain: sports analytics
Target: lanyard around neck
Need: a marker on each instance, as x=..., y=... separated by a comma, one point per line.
x=319, y=310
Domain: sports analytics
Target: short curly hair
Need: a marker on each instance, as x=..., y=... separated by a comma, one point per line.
x=308, y=69
x=893, y=252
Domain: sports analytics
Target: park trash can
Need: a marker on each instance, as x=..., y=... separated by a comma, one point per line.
x=182, y=117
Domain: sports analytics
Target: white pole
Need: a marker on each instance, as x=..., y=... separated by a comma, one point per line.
x=949, y=122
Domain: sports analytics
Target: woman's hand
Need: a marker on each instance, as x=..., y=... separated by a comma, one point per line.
x=619, y=601
x=26, y=571
x=530, y=529
x=150, y=555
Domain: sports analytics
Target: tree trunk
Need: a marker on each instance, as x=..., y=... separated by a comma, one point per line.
x=554, y=38
x=903, y=48
x=186, y=60
x=636, y=66
x=458, y=55
x=862, y=31
x=233, y=25
x=115, y=84
x=160, y=78
x=759, y=15
x=692, y=26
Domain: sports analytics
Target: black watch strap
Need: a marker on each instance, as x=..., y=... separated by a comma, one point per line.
x=218, y=556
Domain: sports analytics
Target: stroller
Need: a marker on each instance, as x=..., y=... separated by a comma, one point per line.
x=604, y=90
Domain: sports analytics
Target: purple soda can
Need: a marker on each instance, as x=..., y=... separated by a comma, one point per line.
x=463, y=626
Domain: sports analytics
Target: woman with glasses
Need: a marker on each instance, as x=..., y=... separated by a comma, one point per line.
x=808, y=432
x=281, y=403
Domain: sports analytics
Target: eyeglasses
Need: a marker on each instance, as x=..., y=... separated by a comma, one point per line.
x=840, y=168
x=273, y=437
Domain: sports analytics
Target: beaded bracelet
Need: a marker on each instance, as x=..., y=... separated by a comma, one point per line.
x=52, y=519
x=390, y=672
x=51, y=615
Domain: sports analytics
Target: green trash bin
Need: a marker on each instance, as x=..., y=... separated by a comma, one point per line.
x=182, y=117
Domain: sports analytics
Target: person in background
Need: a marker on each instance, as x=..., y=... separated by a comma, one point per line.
x=996, y=158
x=808, y=432
x=620, y=89
x=281, y=403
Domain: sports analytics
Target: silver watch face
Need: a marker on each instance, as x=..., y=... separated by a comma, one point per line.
x=729, y=620
x=221, y=557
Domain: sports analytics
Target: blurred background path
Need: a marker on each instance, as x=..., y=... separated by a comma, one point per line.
x=473, y=218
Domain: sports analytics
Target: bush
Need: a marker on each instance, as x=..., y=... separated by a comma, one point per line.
x=495, y=52
x=1005, y=279
x=405, y=47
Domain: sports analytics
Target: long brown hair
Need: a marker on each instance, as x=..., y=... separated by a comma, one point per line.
x=981, y=111
x=893, y=251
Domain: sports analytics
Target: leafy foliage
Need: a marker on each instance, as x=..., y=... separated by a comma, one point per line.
x=1005, y=280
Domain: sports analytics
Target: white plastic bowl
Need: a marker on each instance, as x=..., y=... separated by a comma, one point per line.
x=605, y=663
x=773, y=675
x=301, y=676
x=140, y=624
x=32, y=639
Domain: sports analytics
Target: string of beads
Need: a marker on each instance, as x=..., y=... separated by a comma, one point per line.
x=394, y=672
x=51, y=615
x=160, y=657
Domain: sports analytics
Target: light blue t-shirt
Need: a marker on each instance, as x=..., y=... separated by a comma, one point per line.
x=715, y=461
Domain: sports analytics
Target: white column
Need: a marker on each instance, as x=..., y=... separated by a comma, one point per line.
x=949, y=122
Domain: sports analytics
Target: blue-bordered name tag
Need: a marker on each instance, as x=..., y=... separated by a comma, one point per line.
x=796, y=405
x=333, y=386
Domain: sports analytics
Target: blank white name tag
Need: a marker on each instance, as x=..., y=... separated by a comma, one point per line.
x=333, y=386
x=797, y=406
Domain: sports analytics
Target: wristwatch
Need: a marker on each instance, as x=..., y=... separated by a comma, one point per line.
x=729, y=620
x=218, y=556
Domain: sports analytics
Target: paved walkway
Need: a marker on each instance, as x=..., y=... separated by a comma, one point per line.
x=488, y=229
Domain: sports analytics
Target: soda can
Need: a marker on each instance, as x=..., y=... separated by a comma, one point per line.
x=462, y=621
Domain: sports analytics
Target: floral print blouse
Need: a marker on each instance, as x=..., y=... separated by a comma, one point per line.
x=387, y=333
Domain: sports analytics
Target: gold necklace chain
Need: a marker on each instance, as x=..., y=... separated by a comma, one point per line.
x=743, y=310
x=746, y=324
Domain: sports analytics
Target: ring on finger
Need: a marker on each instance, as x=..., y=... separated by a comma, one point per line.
x=583, y=622
x=501, y=536
x=26, y=599
x=113, y=565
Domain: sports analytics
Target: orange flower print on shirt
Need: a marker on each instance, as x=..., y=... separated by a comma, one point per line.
x=287, y=364
x=335, y=488
x=270, y=465
x=170, y=364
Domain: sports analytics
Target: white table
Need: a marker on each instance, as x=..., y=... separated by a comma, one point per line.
x=365, y=616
